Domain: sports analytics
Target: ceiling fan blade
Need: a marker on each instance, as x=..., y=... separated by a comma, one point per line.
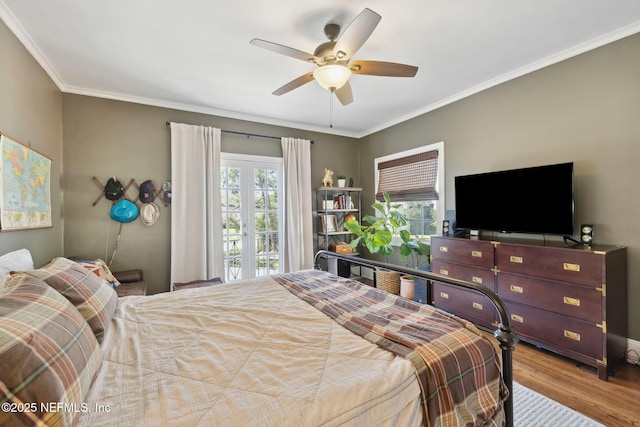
x=379, y=68
x=356, y=34
x=344, y=94
x=294, y=84
x=285, y=50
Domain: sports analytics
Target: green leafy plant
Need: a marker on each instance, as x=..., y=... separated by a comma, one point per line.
x=414, y=251
x=377, y=236
x=341, y=176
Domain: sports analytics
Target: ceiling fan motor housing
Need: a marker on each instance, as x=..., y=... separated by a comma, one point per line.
x=332, y=31
x=325, y=52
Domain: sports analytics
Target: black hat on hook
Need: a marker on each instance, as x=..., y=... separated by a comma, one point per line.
x=114, y=189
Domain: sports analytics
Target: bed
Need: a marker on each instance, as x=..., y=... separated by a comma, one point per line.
x=298, y=349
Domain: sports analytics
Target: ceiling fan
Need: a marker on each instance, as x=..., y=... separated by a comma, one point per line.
x=333, y=58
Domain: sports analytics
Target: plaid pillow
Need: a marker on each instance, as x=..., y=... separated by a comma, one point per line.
x=94, y=299
x=100, y=269
x=48, y=354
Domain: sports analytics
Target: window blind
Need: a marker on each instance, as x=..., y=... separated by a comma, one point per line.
x=409, y=178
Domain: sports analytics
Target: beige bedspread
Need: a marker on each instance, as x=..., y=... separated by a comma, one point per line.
x=248, y=354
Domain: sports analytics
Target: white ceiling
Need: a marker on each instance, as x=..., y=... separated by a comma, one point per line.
x=195, y=55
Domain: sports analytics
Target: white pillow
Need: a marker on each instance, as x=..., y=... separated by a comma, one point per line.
x=19, y=260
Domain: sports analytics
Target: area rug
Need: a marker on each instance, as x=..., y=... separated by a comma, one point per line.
x=531, y=409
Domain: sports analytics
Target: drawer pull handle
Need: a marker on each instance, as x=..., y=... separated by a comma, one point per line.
x=444, y=272
x=516, y=289
x=572, y=335
x=571, y=301
x=477, y=306
x=477, y=280
x=476, y=254
x=571, y=267
x=444, y=295
x=444, y=249
x=516, y=259
x=517, y=318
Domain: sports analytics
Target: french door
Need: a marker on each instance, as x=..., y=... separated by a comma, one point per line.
x=252, y=196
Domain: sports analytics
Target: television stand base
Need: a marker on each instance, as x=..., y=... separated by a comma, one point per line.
x=573, y=241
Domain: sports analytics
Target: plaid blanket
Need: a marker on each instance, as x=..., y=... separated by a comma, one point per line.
x=457, y=368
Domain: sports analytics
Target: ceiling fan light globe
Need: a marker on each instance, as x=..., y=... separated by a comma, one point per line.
x=332, y=76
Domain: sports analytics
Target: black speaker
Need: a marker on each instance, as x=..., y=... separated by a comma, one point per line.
x=586, y=234
x=344, y=268
x=449, y=222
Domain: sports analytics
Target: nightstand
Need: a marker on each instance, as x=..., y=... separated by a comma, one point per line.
x=127, y=289
x=196, y=284
x=131, y=283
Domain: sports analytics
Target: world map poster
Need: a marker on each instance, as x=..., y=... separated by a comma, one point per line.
x=25, y=193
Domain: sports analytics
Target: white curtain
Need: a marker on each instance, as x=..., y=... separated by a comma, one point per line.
x=298, y=225
x=196, y=213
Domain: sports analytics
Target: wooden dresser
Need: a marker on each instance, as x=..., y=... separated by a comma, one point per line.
x=470, y=260
x=570, y=300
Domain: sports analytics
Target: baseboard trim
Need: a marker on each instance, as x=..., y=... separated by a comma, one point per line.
x=633, y=351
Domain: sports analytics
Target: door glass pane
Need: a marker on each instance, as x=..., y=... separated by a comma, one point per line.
x=259, y=178
x=273, y=221
x=261, y=243
x=233, y=263
x=274, y=264
x=273, y=243
x=260, y=199
x=261, y=266
x=272, y=178
x=233, y=178
x=261, y=222
x=231, y=222
x=272, y=200
x=267, y=221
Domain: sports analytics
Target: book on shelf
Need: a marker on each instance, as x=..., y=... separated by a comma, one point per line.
x=342, y=201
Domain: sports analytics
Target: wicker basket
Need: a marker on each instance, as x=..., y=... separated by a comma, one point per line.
x=388, y=281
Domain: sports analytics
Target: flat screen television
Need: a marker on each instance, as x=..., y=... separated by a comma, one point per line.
x=537, y=200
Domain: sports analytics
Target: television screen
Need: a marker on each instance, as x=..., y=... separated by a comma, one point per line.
x=530, y=200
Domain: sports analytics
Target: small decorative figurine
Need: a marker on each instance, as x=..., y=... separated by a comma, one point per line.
x=327, y=181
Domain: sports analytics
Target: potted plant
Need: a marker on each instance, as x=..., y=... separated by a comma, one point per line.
x=416, y=253
x=342, y=179
x=377, y=236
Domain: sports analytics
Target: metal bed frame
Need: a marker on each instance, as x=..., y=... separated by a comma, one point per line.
x=506, y=337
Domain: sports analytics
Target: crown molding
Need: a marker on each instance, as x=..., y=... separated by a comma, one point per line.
x=14, y=25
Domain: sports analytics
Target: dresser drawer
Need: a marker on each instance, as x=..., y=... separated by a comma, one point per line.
x=464, y=303
x=571, y=300
x=567, y=265
x=475, y=275
x=557, y=330
x=463, y=251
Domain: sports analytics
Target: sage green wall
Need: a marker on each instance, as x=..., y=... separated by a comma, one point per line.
x=30, y=112
x=103, y=138
x=584, y=110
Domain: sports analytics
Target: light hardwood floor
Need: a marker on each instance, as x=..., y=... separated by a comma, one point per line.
x=614, y=403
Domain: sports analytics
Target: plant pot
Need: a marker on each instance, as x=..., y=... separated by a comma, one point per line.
x=407, y=286
x=342, y=182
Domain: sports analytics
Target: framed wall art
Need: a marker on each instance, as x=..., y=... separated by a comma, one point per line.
x=25, y=187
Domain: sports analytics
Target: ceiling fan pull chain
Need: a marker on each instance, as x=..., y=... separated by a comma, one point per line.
x=331, y=108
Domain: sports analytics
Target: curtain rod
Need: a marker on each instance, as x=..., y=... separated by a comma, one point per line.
x=243, y=133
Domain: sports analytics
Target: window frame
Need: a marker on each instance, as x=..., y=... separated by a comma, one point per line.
x=440, y=182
